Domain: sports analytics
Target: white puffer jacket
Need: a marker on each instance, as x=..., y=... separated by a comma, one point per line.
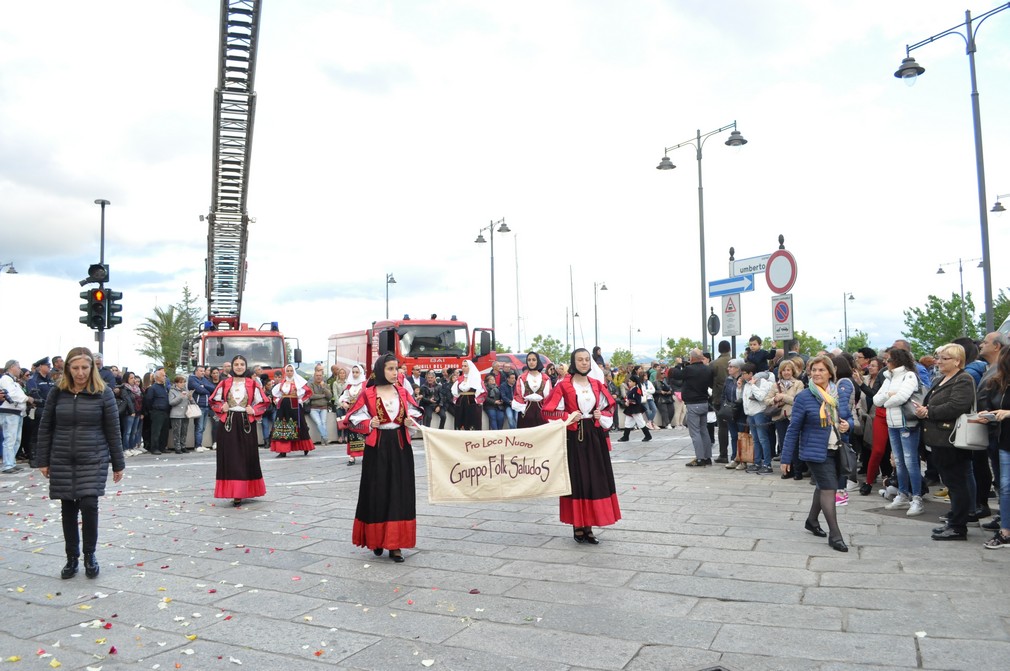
x=754, y=393
x=899, y=385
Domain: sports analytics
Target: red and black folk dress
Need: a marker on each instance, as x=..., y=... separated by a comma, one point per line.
x=355, y=446
x=386, y=516
x=528, y=398
x=593, y=502
x=469, y=395
x=238, y=461
x=291, y=432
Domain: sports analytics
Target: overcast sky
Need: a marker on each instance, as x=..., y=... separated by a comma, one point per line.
x=388, y=133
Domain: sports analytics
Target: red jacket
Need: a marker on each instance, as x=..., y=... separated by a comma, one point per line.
x=219, y=399
x=566, y=390
x=369, y=399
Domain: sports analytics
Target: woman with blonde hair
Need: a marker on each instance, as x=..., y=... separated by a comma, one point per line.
x=78, y=436
x=780, y=409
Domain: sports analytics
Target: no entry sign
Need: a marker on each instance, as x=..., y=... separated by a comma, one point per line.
x=780, y=272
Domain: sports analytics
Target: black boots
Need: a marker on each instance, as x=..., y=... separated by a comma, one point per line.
x=90, y=565
x=70, y=570
x=624, y=438
x=648, y=436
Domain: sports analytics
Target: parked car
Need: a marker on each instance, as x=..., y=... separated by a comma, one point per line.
x=518, y=359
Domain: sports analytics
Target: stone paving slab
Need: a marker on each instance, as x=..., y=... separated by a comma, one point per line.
x=888, y=650
x=392, y=653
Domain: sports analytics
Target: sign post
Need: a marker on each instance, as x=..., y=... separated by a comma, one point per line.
x=731, y=315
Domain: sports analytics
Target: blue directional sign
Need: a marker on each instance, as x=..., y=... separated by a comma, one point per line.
x=731, y=285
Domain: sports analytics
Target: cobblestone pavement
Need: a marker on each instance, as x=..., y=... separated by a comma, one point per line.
x=709, y=567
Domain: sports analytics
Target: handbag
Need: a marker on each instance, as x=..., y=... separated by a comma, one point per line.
x=848, y=462
x=969, y=433
x=745, y=448
x=726, y=412
x=193, y=411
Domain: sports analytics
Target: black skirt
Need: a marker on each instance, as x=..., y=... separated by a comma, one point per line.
x=386, y=513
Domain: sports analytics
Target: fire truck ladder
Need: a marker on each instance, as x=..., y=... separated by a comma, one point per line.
x=234, y=112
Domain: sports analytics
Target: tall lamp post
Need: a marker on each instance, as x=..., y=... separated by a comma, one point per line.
x=735, y=140
x=846, y=297
x=597, y=288
x=389, y=280
x=960, y=271
x=502, y=228
x=909, y=71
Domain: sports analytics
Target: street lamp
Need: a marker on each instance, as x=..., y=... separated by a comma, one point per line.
x=735, y=140
x=998, y=207
x=11, y=270
x=909, y=71
x=502, y=228
x=846, y=297
x=389, y=280
x=960, y=271
x=597, y=288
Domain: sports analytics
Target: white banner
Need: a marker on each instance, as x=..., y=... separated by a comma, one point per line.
x=497, y=465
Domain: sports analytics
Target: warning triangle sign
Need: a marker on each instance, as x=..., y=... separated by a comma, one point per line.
x=730, y=305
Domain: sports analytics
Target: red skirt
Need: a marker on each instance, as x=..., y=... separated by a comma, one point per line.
x=386, y=514
x=238, y=461
x=593, y=502
x=290, y=433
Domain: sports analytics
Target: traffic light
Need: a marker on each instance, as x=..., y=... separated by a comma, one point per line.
x=97, y=274
x=85, y=307
x=115, y=307
x=96, y=309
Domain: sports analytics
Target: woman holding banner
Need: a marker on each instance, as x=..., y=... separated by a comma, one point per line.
x=386, y=514
x=531, y=389
x=587, y=408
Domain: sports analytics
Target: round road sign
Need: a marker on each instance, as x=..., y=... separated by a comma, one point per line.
x=780, y=271
x=781, y=312
x=713, y=324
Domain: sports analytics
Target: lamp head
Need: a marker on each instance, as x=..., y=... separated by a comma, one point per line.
x=665, y=164
x=480, y=239
x=603, y=286
x=998, y=207
x=939, y=271
x=504, y=227
x=390, y=279
x=736, y=139
x=909, y=70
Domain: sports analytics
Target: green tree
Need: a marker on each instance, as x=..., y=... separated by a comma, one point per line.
x=939, y=322
x=808, y=344
x=621, y=357
x=1000, y=312
x=678, y=347
x=498, y=347
x=189, y=315
x=858, y=340
x=552, y=348
x=163, y=335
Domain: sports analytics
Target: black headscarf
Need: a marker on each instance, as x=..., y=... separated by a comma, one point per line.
x=540, y=363
x=248, y=370
x=572, y=369
x=378, y=371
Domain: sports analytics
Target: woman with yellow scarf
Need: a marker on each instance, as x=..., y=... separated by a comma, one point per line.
x=815, y=429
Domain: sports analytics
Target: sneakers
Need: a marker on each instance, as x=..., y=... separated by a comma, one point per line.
x=889, y=492
x=993, y=524
x=721, y=460
x=742, y=466
x=899, y=501
x=996, y=542
x=915, y=508
x=972, y=520
x=694, y=463
x=764, y=470
x=851, y=486
x=731, y=465
x=841, y=498
x=942, y=494
x=200, y=449
x=12, y=469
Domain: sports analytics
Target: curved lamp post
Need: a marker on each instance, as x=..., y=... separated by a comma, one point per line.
x=909, y=71
x=502, y=228
x=389, y=280
x=735, y=140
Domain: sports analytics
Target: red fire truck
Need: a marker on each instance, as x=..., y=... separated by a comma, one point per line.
x=425, y=344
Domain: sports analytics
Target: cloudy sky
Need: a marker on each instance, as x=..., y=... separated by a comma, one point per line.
x=388, y=133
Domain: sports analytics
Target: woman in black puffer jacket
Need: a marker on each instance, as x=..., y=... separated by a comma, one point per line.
x=78, y=436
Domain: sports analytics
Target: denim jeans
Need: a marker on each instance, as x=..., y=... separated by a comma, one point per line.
x=267, y=425
x=319, y=417
x=200, y=425
x=12, y=437
x=651, y=409
x=763, y=447
x=905, y=446
x=495, y=418
x=1004, y=488
x=511, y=416
x=734, y=433
x=133, y=437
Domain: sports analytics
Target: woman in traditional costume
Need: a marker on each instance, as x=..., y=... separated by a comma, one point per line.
x=532, y=387
x=290, y=429
x=468, y=393
x=385, y=517
x=238, y=401
x=587, y=408
x=352, y=388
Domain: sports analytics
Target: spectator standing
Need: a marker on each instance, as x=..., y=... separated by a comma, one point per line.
x=995, y=399
x=108, y=377
x=78, y=436
x=493, y=403
x=157, y=408
x=754, y=388
x=427, y=398
x=39, y=385
x=338, y=382
x=900, y=383
x=877, y=422
x=507, y=389
x=319, y=403
x=12, y=413
x=720, y=369
x=132, y=384
x=200, y=388
x=735, y=424
x=125, y=403
x=664, y=401
x=697, y=378
x=178, y=399
x=782, y=397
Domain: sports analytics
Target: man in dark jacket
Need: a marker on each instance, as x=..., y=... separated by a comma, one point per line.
x=157, y=408
x=202, y=388
x=445, y=398
x=697, y=378
x=38, y=387
x=108, y=377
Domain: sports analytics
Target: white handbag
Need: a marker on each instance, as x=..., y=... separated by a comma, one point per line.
x=969, y=433
x=193, y=411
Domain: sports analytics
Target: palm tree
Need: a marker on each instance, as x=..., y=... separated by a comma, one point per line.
x=163, y=336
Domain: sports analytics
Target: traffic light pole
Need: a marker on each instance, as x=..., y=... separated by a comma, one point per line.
x=100, y=333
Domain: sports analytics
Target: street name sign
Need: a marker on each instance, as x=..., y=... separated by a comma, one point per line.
x=730, y=285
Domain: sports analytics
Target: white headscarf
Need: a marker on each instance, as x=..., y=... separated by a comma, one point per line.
x=298, y=380
x=473, y=378
x=353, y=379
